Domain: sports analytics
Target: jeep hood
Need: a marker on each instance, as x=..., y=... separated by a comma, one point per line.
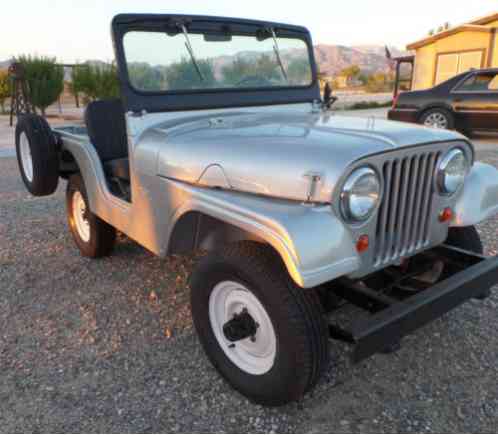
x=272, y=153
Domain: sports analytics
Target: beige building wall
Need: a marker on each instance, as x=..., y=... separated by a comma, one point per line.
x=426, y=57
x=494, y=59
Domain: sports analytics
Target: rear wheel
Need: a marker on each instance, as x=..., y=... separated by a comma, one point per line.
x=94, y=237
x=267, y=337
x=467, y=238
x=37, y=155
x=438, y=118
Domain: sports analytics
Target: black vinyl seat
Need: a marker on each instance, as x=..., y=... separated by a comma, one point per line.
x=106, y=126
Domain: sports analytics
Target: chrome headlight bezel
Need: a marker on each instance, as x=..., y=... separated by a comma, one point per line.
x=347, y=195
x=447, y=186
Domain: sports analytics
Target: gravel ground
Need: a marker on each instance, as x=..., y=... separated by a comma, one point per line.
x=108, y=346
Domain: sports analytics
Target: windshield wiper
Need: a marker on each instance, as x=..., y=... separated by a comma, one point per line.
x=188, y=45
x=277, y=54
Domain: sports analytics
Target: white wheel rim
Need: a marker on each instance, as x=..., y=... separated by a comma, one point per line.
x=436, y=120
x=255, y=356
x=26, y=158
x=79, y=211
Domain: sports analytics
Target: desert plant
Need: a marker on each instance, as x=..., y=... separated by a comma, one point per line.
x=183, y=75
x=96, y=81
x=45, y=80
x=351, y=72
x=379, y=82
x=263, y=66
x=4, y=89
x=79, y=75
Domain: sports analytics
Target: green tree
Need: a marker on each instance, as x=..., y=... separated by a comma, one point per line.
x=263, y=67
x=77, y=85
x=183, y=75
x=45, y=80
x=145, y=77
x=97, y=81
x=107, y=82
x=379, y=82
x=4, y=88
x=236, y=71
x=351, y=72
x=298, y=71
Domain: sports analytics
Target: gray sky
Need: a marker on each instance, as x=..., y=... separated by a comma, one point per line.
x=76, y=30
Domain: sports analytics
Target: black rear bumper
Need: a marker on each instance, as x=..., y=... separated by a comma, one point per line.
x=403, y=115
x=471, y=276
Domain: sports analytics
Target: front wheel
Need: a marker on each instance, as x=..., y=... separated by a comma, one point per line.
x=94, y=237
x=267, y=337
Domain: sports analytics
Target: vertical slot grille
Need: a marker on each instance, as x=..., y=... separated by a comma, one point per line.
x=403, y=220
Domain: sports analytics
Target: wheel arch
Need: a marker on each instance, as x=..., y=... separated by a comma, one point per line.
x=435, y=105
x=197, y=230
x=68, y=165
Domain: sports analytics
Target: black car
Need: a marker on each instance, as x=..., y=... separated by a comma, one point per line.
x=467, y=102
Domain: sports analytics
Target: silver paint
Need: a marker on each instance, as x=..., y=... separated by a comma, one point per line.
x=246, y=167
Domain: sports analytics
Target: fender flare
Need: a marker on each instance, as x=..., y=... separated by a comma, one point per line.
x=478, y=200
x=311, y=257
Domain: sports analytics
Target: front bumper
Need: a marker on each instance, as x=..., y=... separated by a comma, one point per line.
x=403, y=115
x=471, y=275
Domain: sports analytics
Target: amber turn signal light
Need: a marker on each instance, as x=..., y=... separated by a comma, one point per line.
x=446, y=215
x=362, y=243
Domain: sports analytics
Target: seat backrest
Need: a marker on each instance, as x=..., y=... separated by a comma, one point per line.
x=105, y=122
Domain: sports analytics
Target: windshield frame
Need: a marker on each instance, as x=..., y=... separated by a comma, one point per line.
x=190, y=99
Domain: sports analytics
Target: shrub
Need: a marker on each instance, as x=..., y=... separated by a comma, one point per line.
x=95, y=81
x=45, y=79
x=77, y=83
x=379, y=82
x=4, y=89
x=184, y=75
x=360, y=105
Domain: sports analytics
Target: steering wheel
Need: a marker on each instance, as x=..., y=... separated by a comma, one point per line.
x=253, y=80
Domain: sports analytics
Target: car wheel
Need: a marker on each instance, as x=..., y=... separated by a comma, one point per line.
x=267, y=337
x=37, y=155
x=438, y=118
x=94, y=237
x=467, y=238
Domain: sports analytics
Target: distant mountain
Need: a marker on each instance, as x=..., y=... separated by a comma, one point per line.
x=5, y=64
x=332, y=59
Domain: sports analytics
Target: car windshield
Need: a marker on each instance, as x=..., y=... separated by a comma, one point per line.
x=158, y=61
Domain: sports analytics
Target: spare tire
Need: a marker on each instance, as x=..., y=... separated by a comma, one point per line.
x=37, y=155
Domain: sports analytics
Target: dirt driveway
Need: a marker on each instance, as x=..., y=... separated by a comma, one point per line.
x=108, y=346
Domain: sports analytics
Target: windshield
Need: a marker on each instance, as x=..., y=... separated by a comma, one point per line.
x=158, y=61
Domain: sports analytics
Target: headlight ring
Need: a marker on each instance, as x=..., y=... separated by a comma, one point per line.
x=452, y=170
x=360, y=195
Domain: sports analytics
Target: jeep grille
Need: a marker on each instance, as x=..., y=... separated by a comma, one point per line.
x=404, y=215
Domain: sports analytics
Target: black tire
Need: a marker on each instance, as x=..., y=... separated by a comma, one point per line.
x=44, y=175
x=446, y=114
x=302, y=345
x=101, y=237
x=467, y=238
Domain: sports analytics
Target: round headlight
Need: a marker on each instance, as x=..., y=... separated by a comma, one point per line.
x=360, y=195
x=452, y=171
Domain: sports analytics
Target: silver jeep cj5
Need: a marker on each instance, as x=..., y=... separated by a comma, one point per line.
x=220, y=142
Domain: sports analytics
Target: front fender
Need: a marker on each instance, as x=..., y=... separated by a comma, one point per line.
x=313, y=243
x=478, y=199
